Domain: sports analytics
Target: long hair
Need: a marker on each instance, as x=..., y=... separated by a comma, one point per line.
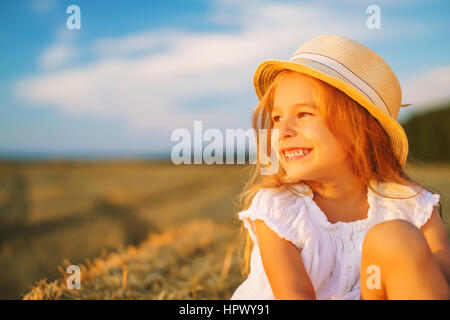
x=359, y=133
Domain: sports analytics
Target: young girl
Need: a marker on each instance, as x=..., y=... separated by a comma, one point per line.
x=340, y=219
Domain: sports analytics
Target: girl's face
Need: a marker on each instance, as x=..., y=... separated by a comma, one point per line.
x=302, y=127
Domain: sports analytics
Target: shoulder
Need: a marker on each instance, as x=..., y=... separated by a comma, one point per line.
x=274, y=199
x=268, y=195
x=281, y=210
x=415, y=204
x=409, y=195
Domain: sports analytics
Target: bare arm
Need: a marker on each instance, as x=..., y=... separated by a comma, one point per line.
x=435, y=233
x=283, y=265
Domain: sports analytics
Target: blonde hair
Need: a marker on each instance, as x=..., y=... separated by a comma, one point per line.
x=359, y=133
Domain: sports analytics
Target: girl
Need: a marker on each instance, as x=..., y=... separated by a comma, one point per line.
x=340, y=219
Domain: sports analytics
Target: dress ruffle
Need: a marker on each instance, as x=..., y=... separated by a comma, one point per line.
x=282, y=213
x=320, y=219
x=417, y=209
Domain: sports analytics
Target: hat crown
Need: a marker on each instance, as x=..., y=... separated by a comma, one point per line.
x=359, y=62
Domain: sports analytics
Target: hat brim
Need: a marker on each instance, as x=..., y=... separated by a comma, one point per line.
x=267, y=71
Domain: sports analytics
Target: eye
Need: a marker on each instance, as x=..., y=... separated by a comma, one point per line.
x=276, y=119
x=304, y=113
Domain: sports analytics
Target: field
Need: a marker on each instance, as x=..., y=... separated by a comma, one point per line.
x=138, y=229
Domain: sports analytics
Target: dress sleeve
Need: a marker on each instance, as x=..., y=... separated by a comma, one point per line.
x=419, y=208
x=279, y=210
x=425, y=201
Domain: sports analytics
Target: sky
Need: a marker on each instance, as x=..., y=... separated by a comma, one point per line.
x=137, y=70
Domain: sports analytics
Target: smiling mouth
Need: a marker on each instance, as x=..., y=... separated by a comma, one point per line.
x=295, y=154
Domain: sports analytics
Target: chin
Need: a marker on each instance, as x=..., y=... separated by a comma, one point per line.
x=295, y=176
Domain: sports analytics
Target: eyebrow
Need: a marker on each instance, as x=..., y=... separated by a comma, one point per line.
x=296, y=106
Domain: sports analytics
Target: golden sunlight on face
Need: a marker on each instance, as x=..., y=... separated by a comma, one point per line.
x=308, y=150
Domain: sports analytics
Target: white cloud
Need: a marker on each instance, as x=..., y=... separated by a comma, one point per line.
x=152, y=90
x=57, y=55
x=140, y=42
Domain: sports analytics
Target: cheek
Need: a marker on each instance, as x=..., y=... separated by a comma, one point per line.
x=333, y=150
x=327, y=146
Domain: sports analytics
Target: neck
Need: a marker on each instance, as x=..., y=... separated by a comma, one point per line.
x=342, y=200
x=341, y=189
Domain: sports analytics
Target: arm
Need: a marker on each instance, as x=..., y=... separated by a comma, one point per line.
x=434, y=232
x=283, y=266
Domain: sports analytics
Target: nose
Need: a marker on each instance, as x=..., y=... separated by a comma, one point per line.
x=287, y=130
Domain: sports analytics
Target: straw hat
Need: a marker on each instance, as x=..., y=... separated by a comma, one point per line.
x=352, y=68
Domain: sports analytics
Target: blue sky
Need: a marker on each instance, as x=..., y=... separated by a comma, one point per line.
x=137, y=70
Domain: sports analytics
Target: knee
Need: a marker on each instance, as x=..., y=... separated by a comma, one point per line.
x=396, y=238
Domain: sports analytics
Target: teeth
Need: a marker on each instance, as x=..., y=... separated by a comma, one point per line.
x=296, y=153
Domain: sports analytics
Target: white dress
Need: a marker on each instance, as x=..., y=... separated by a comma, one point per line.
x=331, y=252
